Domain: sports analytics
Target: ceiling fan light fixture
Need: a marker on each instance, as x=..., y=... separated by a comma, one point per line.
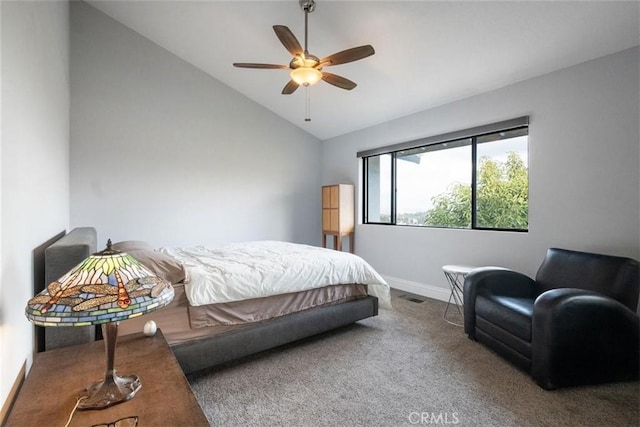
x=306, y=76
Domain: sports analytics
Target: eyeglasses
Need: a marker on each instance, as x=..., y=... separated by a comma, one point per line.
x=122, y=422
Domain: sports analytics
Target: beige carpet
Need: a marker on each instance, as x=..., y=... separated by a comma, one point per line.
x=404, y=367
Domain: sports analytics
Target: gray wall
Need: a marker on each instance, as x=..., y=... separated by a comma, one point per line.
x=34, y=165
x=162, y=152
x=584, y=157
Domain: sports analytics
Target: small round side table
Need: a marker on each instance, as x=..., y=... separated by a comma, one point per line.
x=455, y=275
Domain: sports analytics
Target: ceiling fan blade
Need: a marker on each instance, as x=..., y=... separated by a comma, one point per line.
x=288, y=40
x=289, y=88
x=338, y=81
x=349, y=55
x=266, y=66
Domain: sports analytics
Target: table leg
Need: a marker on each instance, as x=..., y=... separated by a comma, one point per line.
x=456, y=295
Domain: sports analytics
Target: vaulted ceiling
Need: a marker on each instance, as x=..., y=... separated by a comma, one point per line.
x=428, y=53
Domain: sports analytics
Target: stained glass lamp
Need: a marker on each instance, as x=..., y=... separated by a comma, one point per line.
x=105, y=288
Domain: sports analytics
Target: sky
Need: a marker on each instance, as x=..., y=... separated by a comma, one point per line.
x=438, y=170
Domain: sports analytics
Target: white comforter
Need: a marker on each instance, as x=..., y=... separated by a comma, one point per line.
x=238, y=271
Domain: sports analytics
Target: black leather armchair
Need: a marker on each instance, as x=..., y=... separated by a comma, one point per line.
x=575, y=324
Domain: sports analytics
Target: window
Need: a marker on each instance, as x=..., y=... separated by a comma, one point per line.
x=379, y=188
x=477, y=178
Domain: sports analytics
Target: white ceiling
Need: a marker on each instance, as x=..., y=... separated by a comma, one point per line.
x=427, y=53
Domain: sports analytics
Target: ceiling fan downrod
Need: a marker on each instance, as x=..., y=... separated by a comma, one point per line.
x=308, y=6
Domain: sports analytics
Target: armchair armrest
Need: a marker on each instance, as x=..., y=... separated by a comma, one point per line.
x=583, y=337
x=495, y=280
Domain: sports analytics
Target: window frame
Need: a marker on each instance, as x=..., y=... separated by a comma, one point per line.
x=473, y=134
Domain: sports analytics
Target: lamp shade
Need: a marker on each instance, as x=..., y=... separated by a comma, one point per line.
x=108, y=286
x=306, y=76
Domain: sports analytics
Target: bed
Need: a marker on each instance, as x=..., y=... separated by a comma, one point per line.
x=209, y=322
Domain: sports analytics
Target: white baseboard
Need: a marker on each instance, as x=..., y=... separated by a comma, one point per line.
x=13, y=394
x=429, y=291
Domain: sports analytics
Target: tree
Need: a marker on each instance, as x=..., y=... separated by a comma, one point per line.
x=502, y=198
x=451, y=209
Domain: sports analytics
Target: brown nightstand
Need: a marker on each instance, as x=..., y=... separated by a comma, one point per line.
x=58, y=377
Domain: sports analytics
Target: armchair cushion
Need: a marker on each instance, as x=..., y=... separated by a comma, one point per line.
x=511, y=313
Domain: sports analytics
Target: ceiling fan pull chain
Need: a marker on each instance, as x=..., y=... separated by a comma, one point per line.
x=307, y=117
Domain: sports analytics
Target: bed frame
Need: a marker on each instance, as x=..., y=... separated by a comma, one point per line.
x=209, y=351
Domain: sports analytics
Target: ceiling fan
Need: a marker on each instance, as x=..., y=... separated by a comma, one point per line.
x=307, y=69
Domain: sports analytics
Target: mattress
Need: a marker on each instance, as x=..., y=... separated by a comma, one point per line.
x=180, y=322
x=259, y=309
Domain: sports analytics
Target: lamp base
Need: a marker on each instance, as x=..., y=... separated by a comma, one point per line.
x=112, y=390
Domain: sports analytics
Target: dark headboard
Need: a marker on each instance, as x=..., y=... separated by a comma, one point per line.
x=59, y=258
x=39, y=283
